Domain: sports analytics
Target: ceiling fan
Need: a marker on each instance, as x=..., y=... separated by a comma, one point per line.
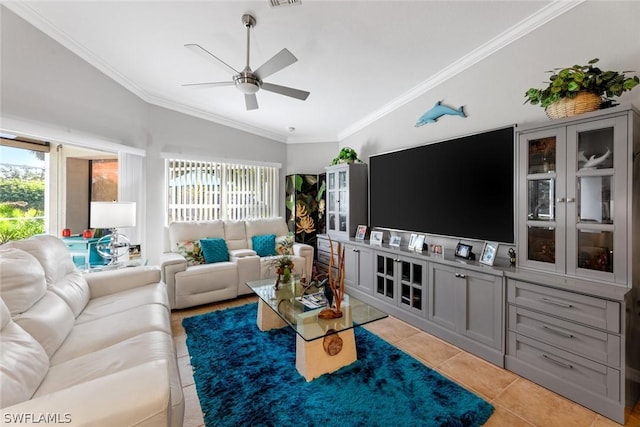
x=247, y=81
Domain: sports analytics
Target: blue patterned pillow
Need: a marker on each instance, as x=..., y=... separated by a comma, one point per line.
x=264, y=245
x=214, y=250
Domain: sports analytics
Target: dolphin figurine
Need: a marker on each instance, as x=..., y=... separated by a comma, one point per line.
x=438, y=111
x=593, y=160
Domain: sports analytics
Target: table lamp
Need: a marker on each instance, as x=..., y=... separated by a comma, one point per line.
x=112, y=215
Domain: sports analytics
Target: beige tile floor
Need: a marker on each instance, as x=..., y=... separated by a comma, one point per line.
x=517, y=401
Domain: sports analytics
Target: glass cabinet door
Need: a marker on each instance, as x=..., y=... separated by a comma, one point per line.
x=332, y=215
x=343, y=202
x=593, y=222
x=385, y=276
x=412, y=286
x=541, y=154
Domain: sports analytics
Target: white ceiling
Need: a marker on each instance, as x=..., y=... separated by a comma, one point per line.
x=359, y=59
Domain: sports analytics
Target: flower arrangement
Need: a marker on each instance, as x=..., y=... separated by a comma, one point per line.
x=284, y=266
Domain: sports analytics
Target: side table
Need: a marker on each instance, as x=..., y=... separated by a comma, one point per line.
x=83, y=251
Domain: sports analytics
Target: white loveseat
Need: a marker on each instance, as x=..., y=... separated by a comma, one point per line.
x=189, y=285
x=84, y=350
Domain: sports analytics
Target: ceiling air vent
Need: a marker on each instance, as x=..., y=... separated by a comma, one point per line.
x=277, y=3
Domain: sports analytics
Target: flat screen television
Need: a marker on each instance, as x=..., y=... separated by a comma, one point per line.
x=461, y=188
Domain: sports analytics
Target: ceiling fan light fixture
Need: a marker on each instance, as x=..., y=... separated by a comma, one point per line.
x=247, y=84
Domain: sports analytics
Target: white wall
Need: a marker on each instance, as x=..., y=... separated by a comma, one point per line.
x=310, y=158
x=42, y=81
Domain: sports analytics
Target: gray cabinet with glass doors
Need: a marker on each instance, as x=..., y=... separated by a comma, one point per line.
x=574, y=196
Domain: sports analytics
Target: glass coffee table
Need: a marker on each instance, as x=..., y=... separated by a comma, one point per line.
x=322, y=345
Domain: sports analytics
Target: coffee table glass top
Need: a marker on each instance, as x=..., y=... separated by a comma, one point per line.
x=304, y=320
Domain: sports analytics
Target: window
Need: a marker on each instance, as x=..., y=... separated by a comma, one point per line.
x=22, y=189
x=200, y=190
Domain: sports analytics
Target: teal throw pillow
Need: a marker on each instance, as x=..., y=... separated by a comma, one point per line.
x=214, y=250
x=264, y=245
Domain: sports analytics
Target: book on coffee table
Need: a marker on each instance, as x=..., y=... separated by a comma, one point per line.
x=315, y=300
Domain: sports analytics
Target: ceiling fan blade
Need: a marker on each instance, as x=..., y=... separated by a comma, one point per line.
x=284, y=90
x=207, y=85
x=251, y=101
x=196, y=48
x=282, y=59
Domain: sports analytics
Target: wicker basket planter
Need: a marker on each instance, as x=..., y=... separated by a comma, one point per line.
x=584, y=102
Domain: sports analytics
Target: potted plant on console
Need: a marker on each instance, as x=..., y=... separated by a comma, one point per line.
x=580, y=89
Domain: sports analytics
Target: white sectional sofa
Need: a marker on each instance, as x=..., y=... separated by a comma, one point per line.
x=84, y=350
x=191, y=283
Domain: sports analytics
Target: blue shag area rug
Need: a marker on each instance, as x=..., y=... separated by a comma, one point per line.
x=245, y=377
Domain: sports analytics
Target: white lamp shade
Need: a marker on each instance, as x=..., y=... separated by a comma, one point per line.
x=113, y=214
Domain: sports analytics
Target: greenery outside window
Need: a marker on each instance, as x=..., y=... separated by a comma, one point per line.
x=202, y=190
x=22, y=188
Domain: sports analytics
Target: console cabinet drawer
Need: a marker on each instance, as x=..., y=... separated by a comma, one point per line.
x=565, y=369
x=591, y=311
x=584, y=341
x=324, y=257
x=324, y=246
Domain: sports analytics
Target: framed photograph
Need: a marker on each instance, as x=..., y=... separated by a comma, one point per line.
x=419, y=243
x=361, y=232
x=376, y=238
x=134, y=252
x=412, y=241
x=395, y=241
x=489, y=251
x=464, y=251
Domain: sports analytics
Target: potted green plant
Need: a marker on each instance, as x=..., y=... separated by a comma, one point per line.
x=579, y=89
x=346, y=155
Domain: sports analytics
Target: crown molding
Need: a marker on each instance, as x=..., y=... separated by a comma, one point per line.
x=517, y=31
x=205, y=115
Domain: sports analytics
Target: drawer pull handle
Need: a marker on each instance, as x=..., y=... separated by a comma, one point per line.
x=557, y=362
x=461, y=275
x=557, y=331
x=560, y=303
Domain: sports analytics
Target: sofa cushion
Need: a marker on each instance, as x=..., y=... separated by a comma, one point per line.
x=214, y=250
x=182, y=231
x=256, y=227
x=154, y=293
x=22, y=281
x=284, y=244
x=106, y=331
x=264, y=245
x=235, y=235
x=49, y=321
x=191, y=251
x=23, y=361
x=61, y=275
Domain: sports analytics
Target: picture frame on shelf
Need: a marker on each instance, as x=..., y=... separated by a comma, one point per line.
x=464, y=251
x=489, y=251
x=394, y=241
x=361, y=232
x=412, y=241
x=418, y=245
x=376, y=238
